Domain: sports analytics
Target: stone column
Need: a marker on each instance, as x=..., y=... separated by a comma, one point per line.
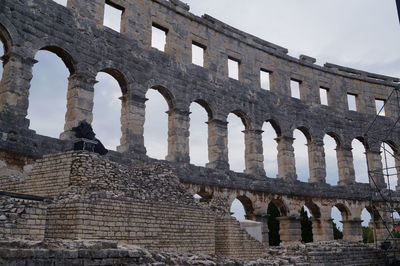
x=14, y=89
x=322, y=229
x=375, y=167
x=218, y=144
x=316, y=158
x=178, y=136
x=254, y=157
x=352, y=229
x=290, y=229
x=382, y=226
x=132, y=124
x=79, y=102
x=263, y=219
x=345, y=165
x=286, y=161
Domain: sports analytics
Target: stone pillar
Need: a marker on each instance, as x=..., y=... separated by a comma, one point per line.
x=352, y=229
x=263, y=219
x=79, y=102
x=254, y=157
x=382, y=226
x=375, y=169
x=286, y=161
x=14, y=89
x=344, y=157
x=322, y=229
x=290, y=229
x=218, y=144
x=178, y=136
x=132, y=124
x=316, y=158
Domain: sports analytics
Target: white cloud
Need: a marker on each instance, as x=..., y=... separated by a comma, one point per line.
x=107, y=111
x=156, y=125
x=360, y=162
x=61, y=2
x=235, y=143
x=198, y=135
x=47, y=95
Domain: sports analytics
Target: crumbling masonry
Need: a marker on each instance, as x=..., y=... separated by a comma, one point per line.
x=131, y=198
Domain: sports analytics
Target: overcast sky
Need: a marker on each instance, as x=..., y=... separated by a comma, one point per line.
x=363, y=34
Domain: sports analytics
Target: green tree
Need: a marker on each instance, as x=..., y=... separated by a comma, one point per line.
x=273, y=225
x=306, y=227
x=337, y=234
x=368, y=234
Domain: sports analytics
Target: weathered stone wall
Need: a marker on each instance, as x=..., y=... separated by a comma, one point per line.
x=234, y=242
x=158, y=226
x=76, y=34
x=22, y=219
x=46, y=177
x=96, y=199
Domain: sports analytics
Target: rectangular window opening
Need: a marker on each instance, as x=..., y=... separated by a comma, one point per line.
x=264, y=80
x=61, y=2
x=380, y=107
x=352, y=101
x=158, y=37
x=295, y=88
x=233, y=68
x=113, y=16
x=198, y=54
x=323, y=95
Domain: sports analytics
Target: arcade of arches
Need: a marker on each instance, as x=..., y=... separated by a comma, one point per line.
x=282, y=217
x=298, y=155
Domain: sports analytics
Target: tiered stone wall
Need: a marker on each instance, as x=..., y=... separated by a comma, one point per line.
x=158, y=226
x=234, y=242
x=46, y=177
x=97, y=199
x=22, y=219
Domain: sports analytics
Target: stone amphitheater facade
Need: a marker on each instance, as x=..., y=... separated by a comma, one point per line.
x=44, y=167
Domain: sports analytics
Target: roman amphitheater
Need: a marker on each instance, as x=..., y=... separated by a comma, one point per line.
x=63, y=206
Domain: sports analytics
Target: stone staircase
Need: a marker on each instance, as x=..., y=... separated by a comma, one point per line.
x=233, y=241
x=326, y=253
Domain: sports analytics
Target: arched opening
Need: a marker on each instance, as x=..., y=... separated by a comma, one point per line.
x=156, y=122
x=271, y=132
x=389, y=165
x=198, y=139
x=332, y=171
x=367, y=226
x=2, y=53
x=276, y=208
x=61, y=2
x=236, y=145
x=50, y=81
x=306, y=225
x=338, y=214
x=237, y=210
x=107, y=108
x=360, y=161
x=302, y=138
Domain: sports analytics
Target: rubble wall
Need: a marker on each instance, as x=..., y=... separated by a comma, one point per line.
x=22, y=219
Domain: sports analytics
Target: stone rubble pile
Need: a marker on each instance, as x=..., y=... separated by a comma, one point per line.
x=95, y=176
x=62, y=252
